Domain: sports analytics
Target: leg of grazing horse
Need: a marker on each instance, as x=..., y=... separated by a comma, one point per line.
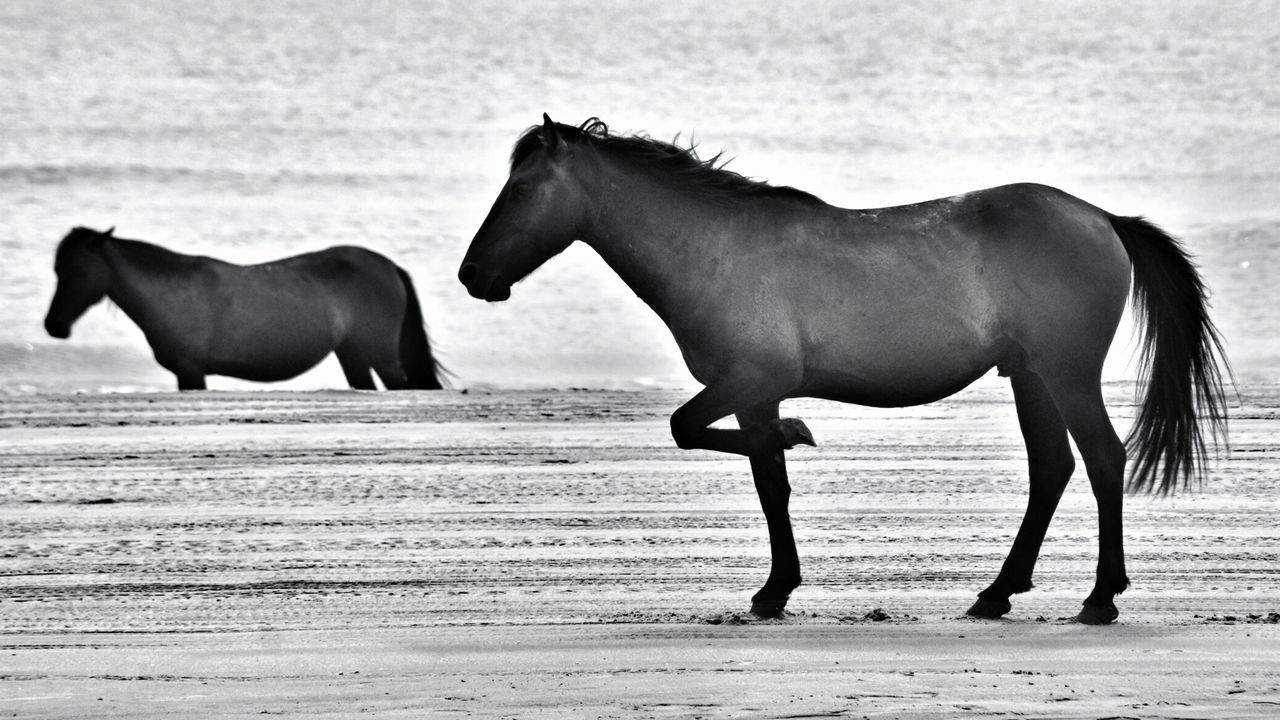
x=387, y=364
x=355, y=368
x=1050, y=463
x=382, y=351
x=191, y=381
x=1103, y=452
x=769, y=470
x=392, y=376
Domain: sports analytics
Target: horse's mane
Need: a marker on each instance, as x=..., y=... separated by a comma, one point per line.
x=79, y=235
x=145, y=254
x=682, y=164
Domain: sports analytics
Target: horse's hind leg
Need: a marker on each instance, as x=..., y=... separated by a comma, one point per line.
x=391, y=372
x=384, y=357
x=769, y=470
x=392, y=376
x=1082, y=408
x=355, y=367
x=1050, y=463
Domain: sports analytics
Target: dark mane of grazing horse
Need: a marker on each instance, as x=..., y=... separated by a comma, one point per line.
x=78, y=236
x=682, y=164
x=142, y=253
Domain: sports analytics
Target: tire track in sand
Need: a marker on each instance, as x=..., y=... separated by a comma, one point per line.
x=309, y=511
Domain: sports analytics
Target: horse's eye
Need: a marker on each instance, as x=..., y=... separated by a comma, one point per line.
x=519, y=190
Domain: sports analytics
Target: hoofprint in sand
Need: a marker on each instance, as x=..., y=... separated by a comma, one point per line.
x=551, y=553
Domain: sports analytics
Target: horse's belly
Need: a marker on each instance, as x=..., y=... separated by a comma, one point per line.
x=878, y=392
x=896, y=373
x=266, y=367
x=270, y=353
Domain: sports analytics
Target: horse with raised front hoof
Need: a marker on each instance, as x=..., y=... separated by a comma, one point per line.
x=266, y=322
x=772, y=294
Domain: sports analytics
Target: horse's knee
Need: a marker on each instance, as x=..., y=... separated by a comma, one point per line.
x=683, y=434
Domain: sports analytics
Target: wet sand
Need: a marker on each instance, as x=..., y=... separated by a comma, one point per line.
x=552, y=554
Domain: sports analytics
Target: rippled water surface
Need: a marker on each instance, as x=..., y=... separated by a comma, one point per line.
x=250, y=131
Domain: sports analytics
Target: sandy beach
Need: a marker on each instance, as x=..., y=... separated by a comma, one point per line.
x=552, y=554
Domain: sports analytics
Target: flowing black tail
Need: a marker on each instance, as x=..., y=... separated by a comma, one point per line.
x=420, y=366
x=1181, y=351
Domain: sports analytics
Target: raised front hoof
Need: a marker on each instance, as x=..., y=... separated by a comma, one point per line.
x=792, y=432
x=989, y=609
x=1097, y=615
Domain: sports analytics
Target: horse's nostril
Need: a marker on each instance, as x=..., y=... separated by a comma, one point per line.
x=468, y=273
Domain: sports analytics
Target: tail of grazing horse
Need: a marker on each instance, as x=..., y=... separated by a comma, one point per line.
x=420, y=366
x=1180, y=353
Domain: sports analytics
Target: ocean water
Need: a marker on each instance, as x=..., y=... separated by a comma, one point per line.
x=250, y=131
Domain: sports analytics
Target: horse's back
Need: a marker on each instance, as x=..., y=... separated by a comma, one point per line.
x=341, y=273
x=1042, y=218
x=362, y=276
x=1008, y=244
x=338, y=262
x=279, y=318
x=909, y=304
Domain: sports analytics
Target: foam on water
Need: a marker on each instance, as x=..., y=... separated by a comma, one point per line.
x=251, y=131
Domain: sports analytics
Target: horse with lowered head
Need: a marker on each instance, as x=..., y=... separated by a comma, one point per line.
x=773, y=294
x=266, y=322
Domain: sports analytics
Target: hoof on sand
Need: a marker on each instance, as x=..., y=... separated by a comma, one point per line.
x=768, y=607
x=989, y=609
x=1097, y=615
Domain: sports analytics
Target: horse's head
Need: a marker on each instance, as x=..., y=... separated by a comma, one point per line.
x=83, y=278
x=538, y=214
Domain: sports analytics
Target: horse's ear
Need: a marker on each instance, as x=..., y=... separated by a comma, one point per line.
x=111, y=232
x=550, y=135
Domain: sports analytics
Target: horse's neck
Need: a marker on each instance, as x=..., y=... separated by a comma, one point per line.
x=146, y=280
x=664, y=244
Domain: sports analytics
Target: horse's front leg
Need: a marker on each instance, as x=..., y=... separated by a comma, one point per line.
x=191, y=381
x=769, y=470
x=762, y=434
x=189, y=376
x=763, y=437
x=186, y=358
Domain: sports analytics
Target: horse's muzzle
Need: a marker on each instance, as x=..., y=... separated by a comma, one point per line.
x=498, y=290
x=494, y=290
x=60, y=329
